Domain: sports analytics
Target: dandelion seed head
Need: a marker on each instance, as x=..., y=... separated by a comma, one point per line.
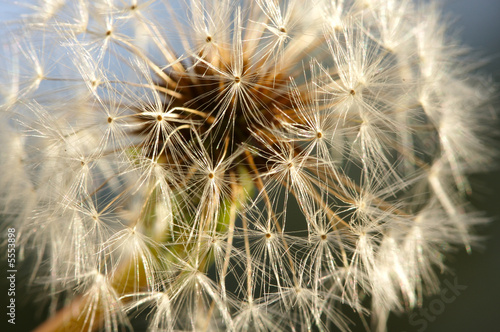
x=250, y=166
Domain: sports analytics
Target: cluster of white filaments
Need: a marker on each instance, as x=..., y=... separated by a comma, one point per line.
x=252, y=165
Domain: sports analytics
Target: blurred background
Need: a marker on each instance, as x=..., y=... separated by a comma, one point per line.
x=477, y=307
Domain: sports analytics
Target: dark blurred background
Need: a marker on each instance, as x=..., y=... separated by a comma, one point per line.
x=477, y=307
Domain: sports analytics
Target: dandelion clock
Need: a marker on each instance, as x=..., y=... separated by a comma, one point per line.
x=216, y=165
